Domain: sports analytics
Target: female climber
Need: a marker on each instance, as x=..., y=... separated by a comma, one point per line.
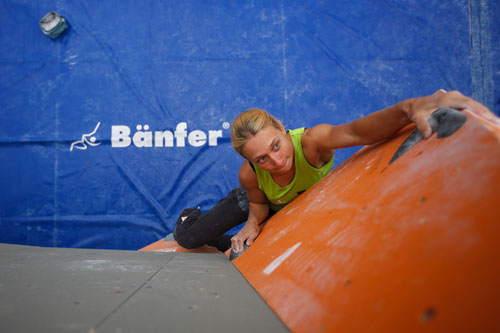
x=281, y=164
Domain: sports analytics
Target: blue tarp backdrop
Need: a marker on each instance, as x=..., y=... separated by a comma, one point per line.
x=109, y=131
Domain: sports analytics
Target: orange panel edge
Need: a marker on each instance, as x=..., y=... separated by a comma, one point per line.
x=163, y=245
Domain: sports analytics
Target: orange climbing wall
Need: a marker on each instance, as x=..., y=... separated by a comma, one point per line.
x=163, y=245
x=409, y=246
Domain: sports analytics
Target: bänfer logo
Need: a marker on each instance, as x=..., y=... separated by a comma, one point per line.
x=122, y=137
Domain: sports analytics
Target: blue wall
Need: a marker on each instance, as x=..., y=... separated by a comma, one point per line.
x=164, y=63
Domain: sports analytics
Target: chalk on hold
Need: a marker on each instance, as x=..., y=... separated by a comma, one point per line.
x=444, y=121
x=234, y=255
x=53, y=24
x=448, y=122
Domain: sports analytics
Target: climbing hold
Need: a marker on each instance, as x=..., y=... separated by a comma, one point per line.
x=444, y=121
x=53, y=24
x=235, y=255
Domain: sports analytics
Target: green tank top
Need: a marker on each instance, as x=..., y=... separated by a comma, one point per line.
x=305, y=176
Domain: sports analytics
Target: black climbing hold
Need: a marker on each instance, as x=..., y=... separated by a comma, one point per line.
x=410, y=141
x=235, y=255
x=448, y=122
x=444, y=121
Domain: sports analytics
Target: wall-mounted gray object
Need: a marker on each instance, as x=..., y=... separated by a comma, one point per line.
x=53, y=24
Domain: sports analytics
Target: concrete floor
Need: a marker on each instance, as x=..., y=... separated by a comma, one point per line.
x=78, y=290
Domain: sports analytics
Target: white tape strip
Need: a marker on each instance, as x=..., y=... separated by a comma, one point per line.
x=276, y=262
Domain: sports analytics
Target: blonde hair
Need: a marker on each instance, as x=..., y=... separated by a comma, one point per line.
x=248, y=124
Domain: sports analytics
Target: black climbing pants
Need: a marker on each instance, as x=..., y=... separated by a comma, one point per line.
x=195, y=229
